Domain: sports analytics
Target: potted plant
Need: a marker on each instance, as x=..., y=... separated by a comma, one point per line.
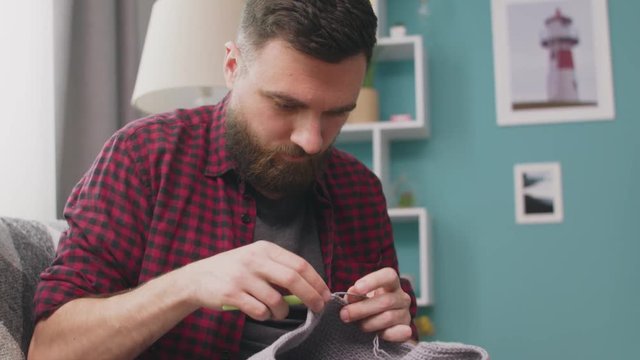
x=367, y=106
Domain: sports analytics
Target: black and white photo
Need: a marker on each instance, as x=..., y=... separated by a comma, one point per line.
x=538, y=193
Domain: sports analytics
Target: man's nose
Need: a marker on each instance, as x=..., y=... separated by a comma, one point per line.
x=307, y=133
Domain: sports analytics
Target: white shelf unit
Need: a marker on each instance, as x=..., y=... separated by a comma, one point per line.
x=381, y=133
x=419, y=214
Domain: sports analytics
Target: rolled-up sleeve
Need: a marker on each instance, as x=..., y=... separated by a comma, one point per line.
x=107, y=213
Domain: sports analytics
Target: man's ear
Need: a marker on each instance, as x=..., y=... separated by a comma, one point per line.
x=231, y=65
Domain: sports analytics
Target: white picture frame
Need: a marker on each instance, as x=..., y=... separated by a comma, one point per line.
x=538, y=193
x=532, y=84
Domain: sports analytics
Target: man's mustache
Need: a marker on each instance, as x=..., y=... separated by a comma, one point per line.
x=294, y=151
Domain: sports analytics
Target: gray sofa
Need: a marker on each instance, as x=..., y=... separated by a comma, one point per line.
x=26, y=248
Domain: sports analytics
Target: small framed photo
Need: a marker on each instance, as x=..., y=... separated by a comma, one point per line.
x=538, y=193
x=552, y=61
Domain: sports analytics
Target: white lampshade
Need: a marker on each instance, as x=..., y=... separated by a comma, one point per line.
x=183, y=55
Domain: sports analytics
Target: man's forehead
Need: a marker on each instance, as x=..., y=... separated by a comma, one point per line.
x=281, y=47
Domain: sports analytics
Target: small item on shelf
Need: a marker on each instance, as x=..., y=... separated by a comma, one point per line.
x=367, y=107
x=424, y=325
x=403, y=193
x=406, y=199
x=400, y=117
x=397, y=30
x=368, y=104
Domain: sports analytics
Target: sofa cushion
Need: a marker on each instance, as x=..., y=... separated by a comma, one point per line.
x=26, y=249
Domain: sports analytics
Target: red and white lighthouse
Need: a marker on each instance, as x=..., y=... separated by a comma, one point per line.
x=559, y=37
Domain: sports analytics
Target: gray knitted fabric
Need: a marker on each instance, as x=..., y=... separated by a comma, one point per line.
x=325, y=336
x=26, y=248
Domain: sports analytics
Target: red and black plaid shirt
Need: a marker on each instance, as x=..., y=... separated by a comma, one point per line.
x=163, y=193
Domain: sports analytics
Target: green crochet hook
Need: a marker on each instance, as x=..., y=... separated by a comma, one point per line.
x=289, y=299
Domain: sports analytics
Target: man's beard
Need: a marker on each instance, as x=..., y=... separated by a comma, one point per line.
x=265, y=169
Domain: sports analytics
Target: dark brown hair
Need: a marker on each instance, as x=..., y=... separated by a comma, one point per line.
x=329, y=30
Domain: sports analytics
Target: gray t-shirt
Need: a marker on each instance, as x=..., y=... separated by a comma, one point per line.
x=289, y=223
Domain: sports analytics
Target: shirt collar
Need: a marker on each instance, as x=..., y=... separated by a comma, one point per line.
x=219, y=160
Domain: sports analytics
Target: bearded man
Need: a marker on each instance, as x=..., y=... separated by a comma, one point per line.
x=233, y=204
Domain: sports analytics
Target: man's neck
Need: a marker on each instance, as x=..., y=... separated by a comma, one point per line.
x=270, y=195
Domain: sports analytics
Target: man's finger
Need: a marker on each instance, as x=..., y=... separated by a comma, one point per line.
x=351, y=297
x=385, y=320
x=386, y=278
x=375, y=305
x=251, y=306
x=285, y=277
x=302, y=267
x=398, y=333
x=271, y=298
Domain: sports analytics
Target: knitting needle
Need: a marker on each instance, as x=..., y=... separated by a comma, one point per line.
x=294, y=300
x=289, y=299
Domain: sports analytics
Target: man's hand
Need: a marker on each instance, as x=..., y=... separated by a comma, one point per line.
x=386, y=310
x=248, y=277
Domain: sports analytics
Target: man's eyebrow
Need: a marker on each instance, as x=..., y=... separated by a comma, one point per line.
x=291, y=101
x=342, y=109
x=284, y=98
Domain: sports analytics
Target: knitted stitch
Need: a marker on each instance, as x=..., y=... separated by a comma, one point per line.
x=325, y=336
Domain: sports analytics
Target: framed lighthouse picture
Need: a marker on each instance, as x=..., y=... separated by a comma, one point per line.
x=552, y=61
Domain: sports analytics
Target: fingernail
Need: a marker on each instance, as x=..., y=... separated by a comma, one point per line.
x=326, y=295
x=344, y=315
x=360, y=286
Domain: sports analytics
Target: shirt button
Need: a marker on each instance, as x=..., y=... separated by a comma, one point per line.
x=245, y=218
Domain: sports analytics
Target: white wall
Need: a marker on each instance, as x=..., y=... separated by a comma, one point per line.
x=27, y=131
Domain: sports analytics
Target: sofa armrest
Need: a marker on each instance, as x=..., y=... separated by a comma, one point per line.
x=26, y=249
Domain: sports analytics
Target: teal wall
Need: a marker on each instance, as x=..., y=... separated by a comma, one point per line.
x=551, y=291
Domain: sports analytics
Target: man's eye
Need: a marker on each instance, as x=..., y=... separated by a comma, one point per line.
x=286, y=106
